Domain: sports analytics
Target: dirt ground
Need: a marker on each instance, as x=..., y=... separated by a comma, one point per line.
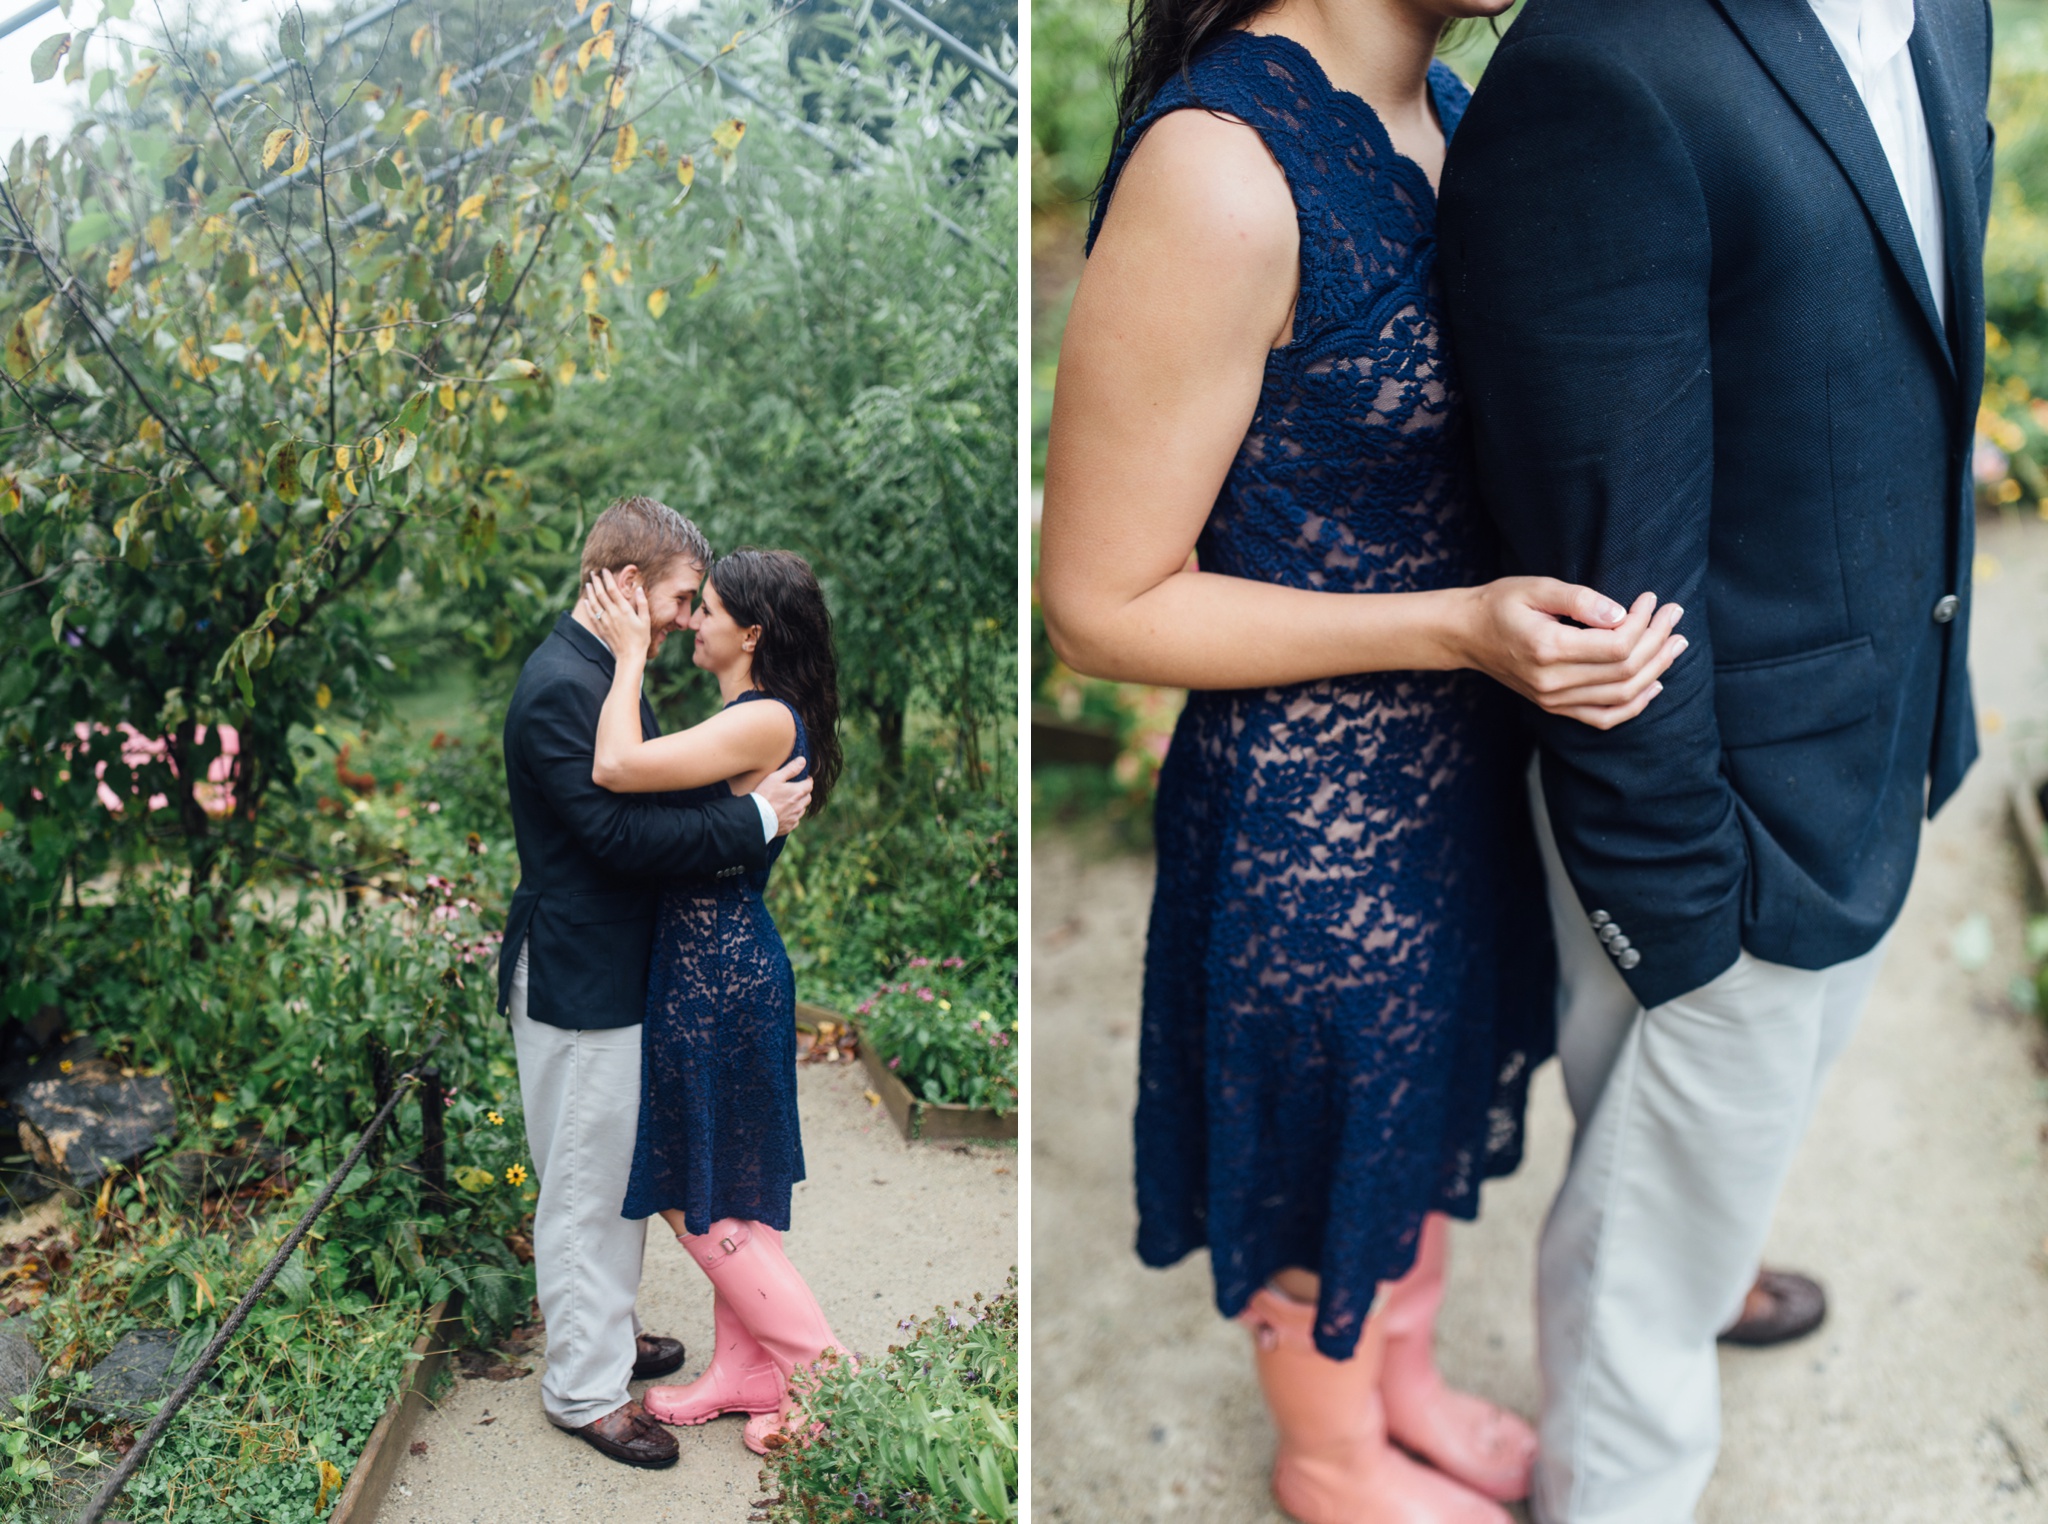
x=883, y=1230
x=1920, y=1199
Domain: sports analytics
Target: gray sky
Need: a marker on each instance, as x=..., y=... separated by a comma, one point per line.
x=27, y=108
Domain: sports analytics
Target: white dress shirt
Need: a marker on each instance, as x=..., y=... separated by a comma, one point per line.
x=1870, y=36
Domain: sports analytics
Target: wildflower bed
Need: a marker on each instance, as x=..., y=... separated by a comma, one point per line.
x=927, y=1435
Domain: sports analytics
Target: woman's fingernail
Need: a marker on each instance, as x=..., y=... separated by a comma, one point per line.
x=1613, y=613
x=1655, y=689
x=1679, y=643
x=1677, y=612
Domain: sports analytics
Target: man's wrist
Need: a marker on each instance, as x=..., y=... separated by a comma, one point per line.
x=769, y=824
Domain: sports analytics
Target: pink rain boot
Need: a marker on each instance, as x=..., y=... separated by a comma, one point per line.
x=768, y=1298
x=740, y=1379
x=1488, y=1449
x=1334, y=1465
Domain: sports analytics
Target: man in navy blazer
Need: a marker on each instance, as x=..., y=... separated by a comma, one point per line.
x=573, y=973
x=1713, y=275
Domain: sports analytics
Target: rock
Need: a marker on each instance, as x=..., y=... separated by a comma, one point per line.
x=77, y=1124
x=20, y=1365
x=137, y=1370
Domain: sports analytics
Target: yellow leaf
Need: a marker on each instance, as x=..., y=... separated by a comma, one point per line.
x=589, y=280
x=143, y=76
x=158, y=232
x=564, y=373
x=705, y=281
x=600, y=16
x=657, y=301
x=686, y=171
x=727, y=134
x=622, y=274
x=497, y=128
x=419, y=38
x=618, y=96
x=341, y=457
x=447, y=79
x=583, y=54
x=273, y=145
x=348, y=482
x=604, y=44
x=302, y=153
x=412, y=123
x=322, y=696
x=446, y=393
x=471, y=1178
x=498, y=410
x=582, y=6
x=472, y=206
x=627, y=149
x=330, y=1481
x=119, y=269
x=376, y=450
x=560, y=85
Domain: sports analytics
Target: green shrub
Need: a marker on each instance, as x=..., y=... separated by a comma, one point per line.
x=927, y=1435
x=949, y=1041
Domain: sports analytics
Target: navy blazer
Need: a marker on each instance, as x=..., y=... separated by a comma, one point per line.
x=1702, y=358
x=592, y=863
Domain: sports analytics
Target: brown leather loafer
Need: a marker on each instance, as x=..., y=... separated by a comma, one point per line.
x=1780, y=1307
x=656, y=1355
x=630, y=1434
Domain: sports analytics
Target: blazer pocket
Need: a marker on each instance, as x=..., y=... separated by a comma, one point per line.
x=1786, y=698
x=609, y=909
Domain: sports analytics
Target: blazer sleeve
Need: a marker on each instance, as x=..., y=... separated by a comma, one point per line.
x=637, y=834
x=1576, y=257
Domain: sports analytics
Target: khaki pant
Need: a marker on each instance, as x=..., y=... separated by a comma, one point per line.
x=581, y=1091
x=1688, y=1116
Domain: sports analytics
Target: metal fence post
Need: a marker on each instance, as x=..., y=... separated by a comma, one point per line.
x=434, y=1138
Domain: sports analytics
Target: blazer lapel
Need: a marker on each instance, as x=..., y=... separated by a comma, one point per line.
x=1793, y=47
x=1956, y=166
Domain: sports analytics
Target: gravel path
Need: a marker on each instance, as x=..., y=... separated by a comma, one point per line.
x=882, y=1230
x=1920, y=1199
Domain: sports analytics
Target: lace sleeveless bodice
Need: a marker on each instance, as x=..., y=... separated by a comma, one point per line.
x=718, y=1133
x=1348, y=977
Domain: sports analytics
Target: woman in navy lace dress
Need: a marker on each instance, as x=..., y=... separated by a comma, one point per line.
x=718, y=1152
x=1349, y=974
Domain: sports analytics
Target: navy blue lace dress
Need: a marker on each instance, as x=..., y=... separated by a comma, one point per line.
x=718, y=1125
x=1349, y=975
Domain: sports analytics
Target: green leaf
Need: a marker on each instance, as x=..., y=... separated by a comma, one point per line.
x=403, y=452
x=413, y=416
x=498, y=273
x=387, y=173
x=42, y=63
x=118, y=9
x=284, y=469
x=92, y=228
x=74, y=71
x=291, y=36
x=102, y=81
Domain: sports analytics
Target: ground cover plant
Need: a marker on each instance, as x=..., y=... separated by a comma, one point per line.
x=926, y=1435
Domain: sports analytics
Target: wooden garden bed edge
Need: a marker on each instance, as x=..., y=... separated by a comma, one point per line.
x=2033, y=833
x=370, y=1481
x=916, y=1118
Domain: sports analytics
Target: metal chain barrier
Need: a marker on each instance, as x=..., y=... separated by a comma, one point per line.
x=433, y=1166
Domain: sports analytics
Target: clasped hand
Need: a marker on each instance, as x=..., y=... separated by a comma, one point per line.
x=1600, y=675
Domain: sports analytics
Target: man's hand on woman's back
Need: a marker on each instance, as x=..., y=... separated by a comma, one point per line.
x=787, y=795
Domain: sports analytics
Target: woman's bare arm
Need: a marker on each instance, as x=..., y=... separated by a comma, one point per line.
x=1191, y=283
x=738, y=744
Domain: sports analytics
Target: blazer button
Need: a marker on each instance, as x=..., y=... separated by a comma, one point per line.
x=1610, y=934
x=1599, y=918
x=1619, y=946
x=1946, y=608
x=1629, y=958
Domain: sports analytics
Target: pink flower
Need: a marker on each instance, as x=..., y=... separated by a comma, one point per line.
x=863, y=1008
x=920, y=962
x=895, y=1061
x=925, y=994
x=954, y=963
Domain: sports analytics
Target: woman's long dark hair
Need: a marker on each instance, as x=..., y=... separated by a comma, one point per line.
x=793, y=660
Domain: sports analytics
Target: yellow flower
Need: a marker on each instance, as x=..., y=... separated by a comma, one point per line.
x=64, y=1066
x=516, y=1175
x=496, y=1121
x=945, y=1005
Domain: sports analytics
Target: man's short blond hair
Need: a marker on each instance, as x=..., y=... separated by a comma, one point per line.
x=638, y=531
